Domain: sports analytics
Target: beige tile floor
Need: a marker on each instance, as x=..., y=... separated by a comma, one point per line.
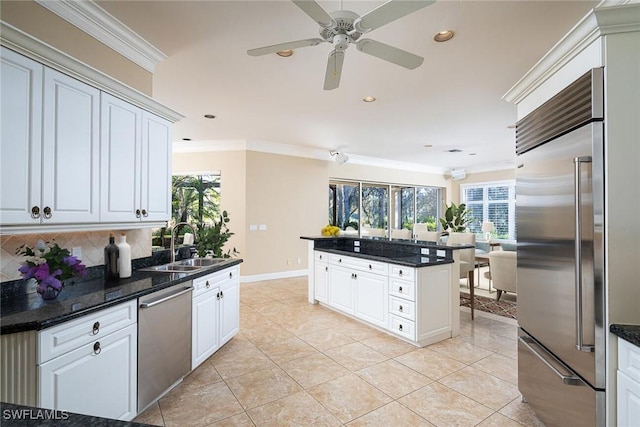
x=297, y=364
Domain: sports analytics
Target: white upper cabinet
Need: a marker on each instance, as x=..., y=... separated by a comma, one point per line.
x=50, y=145
x=70, y=153
x=156, y=168
x=135, y=163
x=21, y=137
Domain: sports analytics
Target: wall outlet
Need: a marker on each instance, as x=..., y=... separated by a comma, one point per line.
x=253, y=227
x=356, y=243
x=440, y=253
x=76, y=252
x=424, y=251
x=299, y=260
x=262, y=227
x=288, y=262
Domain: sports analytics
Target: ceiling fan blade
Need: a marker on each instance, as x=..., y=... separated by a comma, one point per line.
x=283, y=46
x=334, y=70
x=389, y=53
x=388, y=12
x=316, y=12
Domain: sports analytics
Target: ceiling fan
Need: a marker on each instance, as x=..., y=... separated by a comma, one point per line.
x=343, y=27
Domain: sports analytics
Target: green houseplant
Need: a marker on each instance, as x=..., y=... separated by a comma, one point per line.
x=455, y=218
x=210, y=239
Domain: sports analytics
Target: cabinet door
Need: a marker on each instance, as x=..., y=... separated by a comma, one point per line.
x=20, y=138
x=628, y=400
x=372, y=298
x=229, y=310
x=70, y=154
x=340, y=292
x=321, y=279
x=155, y=169
x=120, y=151
x=204, y=326
x=99, y=382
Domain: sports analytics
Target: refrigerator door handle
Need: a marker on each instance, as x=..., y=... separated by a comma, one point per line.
x=568, y=378
x=577, y=176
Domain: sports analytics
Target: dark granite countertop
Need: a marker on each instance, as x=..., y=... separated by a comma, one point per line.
x=404, y=260
x=629, y=333
x=23, y=311
x=28, y=416
x=410, y=253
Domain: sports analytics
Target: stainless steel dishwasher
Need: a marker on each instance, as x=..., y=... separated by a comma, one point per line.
x=164, y=341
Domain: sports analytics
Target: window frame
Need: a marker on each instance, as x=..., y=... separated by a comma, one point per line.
x=511, y=185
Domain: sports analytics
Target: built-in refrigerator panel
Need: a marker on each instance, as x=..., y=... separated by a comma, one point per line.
x=548, y=280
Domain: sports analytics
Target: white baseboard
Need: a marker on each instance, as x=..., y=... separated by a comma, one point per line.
x=273, y=276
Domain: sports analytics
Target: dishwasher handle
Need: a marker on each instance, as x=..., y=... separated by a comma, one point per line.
x=167, y=298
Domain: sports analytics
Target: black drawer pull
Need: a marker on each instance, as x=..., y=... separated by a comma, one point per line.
x=96, y=328
x=400, y=273
x=400, y=289
x=400, y=327
x=400, y=308
x=96, y=348
x=207, y=285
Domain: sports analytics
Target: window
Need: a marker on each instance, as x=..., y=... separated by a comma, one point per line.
x=370, y=209
x=494, y=202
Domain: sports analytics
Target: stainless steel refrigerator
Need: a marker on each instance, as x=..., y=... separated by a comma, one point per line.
x=561, y=306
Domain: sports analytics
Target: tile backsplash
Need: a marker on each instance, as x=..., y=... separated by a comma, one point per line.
x=92, y=244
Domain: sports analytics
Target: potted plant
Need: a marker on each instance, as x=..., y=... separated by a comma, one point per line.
x=455, y=218
x=210, y=239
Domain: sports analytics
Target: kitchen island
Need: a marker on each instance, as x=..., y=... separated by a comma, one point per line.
x=407, y=288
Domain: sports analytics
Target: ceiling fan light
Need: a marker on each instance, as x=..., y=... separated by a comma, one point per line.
x=369, y=98
x=443, y=36
x=285, y=53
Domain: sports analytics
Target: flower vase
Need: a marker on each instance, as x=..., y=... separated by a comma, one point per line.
x=47, y=292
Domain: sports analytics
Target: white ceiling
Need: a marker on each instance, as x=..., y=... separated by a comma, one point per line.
x=452, y=101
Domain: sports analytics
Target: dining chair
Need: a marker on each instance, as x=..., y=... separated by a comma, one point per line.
x=428, y=236
x=467, y=260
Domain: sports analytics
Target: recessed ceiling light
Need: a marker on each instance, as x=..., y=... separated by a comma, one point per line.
x=443, y=36
x=209, y=116
x=285, y=53
x=472, y=154
x=186, y=139
x=511, y=127
x=455, y=150
x=369, y=98
x=428, y=145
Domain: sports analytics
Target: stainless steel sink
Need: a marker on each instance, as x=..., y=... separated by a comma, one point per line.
x=199, y=262
x=192, y=265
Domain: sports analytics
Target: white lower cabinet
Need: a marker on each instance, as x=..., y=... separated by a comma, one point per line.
x=89, y=365
x=321, y=276
x=628, y=384
x=215, y=313
x=340, y=289
x=371, y=298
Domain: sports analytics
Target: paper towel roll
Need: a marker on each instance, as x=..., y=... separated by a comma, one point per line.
x=188, y=239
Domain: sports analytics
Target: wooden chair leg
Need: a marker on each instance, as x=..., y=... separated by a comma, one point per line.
x=498, y=295
x=470, y=276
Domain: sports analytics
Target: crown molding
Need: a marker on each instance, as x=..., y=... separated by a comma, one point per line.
x=104, y=27
x=598, y=22
x=25, y=44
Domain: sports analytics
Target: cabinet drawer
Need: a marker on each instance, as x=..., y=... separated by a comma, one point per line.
x=402, y=272
x=321, y=256
x=403, y=327
x=214, y=280
x=629, y=359
x=73, y=334
x=403, y=308
x=402, y=289
x=360, y=264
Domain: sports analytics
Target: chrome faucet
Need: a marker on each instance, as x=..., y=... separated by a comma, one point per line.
x=173, y=238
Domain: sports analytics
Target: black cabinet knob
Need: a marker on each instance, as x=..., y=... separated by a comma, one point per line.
x=96, y=348
x=96, y=328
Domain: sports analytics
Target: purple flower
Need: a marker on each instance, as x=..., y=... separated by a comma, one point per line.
x=41, y=272
x=70, y=260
